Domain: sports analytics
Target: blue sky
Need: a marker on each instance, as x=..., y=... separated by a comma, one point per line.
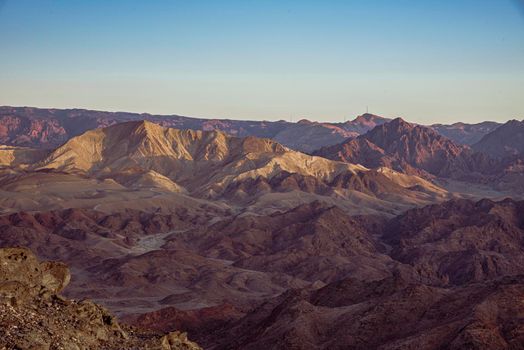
x=428, y=61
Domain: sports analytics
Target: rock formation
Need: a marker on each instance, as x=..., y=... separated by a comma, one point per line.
x=34, y=316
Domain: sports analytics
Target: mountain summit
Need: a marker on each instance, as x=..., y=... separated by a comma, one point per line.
x=406, y=147
x=365, y=122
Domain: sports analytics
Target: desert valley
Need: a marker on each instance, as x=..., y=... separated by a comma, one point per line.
x=375, y=233
x=261, y=175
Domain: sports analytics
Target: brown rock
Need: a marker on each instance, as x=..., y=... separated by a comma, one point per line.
x=178, y=341
x=39, y=319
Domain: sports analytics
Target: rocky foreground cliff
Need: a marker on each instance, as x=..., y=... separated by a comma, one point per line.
x=33, y=315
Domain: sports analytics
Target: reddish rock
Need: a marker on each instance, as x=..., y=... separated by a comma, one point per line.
x=507, y=141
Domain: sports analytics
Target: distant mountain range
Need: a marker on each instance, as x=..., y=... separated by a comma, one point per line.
x=466, y=134
x=369, y=140
x=48, y=128
x=212, y=165
x=418, y=150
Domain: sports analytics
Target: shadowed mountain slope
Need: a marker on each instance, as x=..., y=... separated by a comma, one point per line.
x=409, y=148
x=506, y=141
x=393, y=313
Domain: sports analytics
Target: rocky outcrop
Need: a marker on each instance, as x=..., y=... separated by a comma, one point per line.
x=20, y=130
x=34, y=316
x=24, y=278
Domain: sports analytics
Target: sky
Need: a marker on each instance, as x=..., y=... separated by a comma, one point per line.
x=327, y=60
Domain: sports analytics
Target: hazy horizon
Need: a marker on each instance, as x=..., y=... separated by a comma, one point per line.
x=291, y=120
x=325, y=61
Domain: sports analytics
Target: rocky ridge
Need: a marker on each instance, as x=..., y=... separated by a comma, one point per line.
x=33, y=315
x=213, y=165
x=312, y=277
x=405, y=147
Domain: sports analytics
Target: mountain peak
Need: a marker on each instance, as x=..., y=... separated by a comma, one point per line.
x=363, y=123
x=406, y=147
x=367, y=118
x=395, y=128
x=399, y=124
x=514, y=122
x=398, y=121
x=138, y=125
x=126, y=130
